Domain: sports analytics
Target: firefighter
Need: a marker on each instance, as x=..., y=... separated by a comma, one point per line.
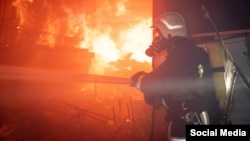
x=181, y=78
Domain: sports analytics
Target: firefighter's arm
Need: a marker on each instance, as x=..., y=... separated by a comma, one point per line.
x=137, y=78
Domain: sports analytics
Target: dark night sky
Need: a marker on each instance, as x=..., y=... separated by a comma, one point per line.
x=226, y=14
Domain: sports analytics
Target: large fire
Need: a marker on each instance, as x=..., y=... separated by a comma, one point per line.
x=110, y=29
x=48, y=44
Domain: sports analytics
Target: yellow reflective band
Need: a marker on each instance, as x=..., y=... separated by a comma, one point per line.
x=200, y=70
x=204, y=118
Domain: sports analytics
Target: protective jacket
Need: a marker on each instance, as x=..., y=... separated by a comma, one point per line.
x=184, y=76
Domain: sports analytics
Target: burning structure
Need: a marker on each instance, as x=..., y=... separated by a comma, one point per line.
x=77, y=37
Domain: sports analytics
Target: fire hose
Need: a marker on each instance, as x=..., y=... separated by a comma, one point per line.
x=32, y=74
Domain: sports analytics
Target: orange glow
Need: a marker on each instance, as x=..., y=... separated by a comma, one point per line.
x=21, y=10
x=53, y=34
x=134, y=39
x=49, y=38
x=110, y=29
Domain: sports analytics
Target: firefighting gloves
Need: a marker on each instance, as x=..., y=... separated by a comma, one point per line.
x=136, y=79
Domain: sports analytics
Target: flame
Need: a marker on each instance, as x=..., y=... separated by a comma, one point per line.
x=109, y=29
x=21, y=10
x=136, y=39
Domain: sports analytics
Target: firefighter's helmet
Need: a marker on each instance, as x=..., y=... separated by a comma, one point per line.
x=171, y=24
x=167, y=25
